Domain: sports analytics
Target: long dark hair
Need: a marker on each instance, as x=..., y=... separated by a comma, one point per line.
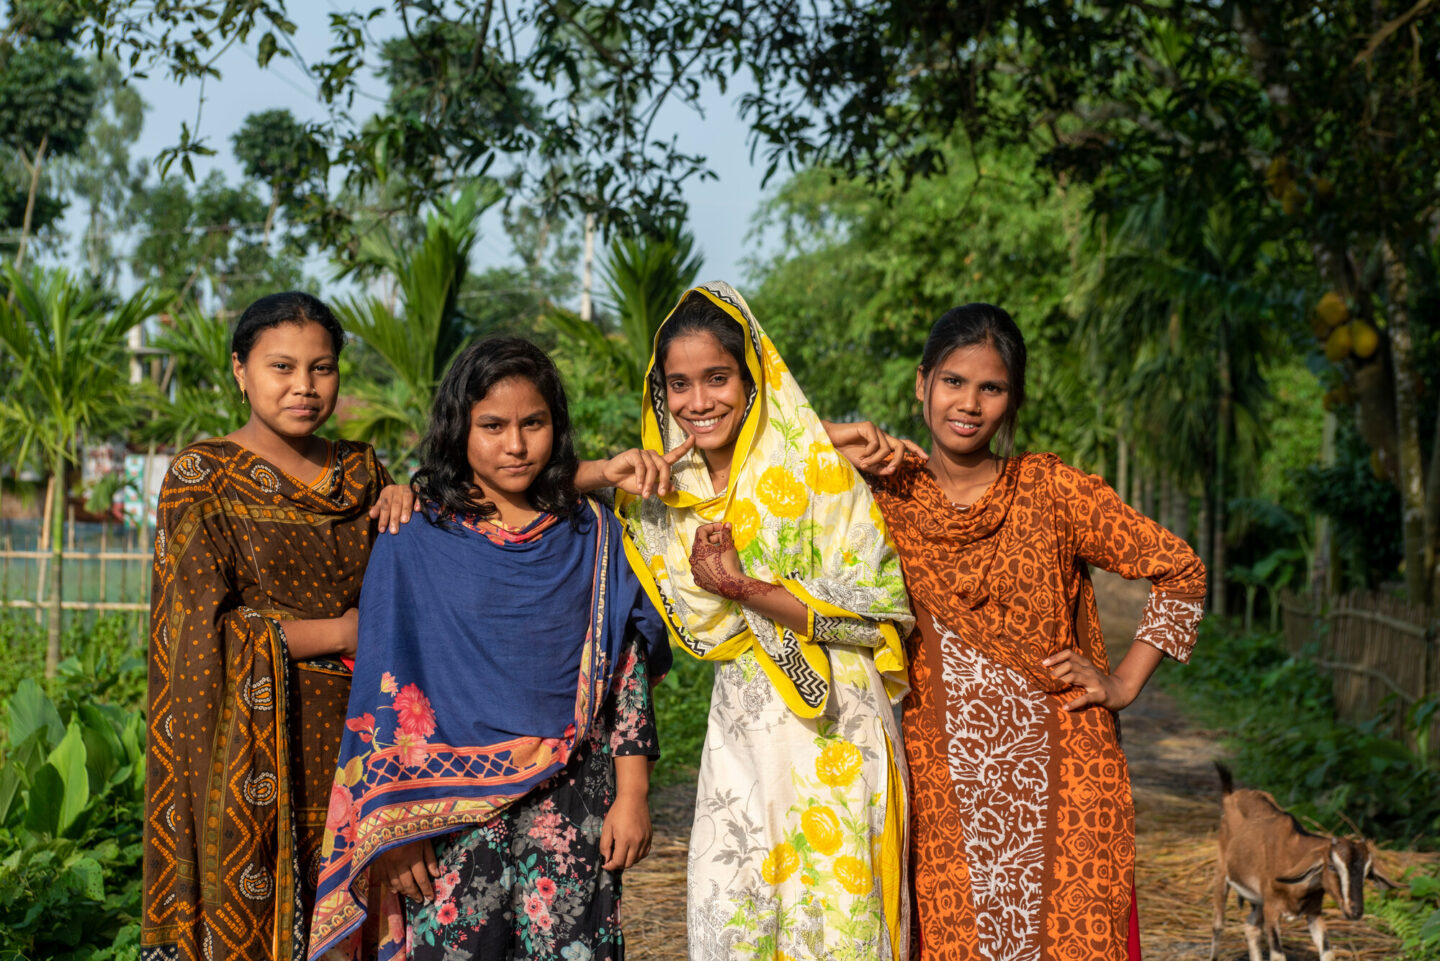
x=972, y=324
x=445, y=480
x=290, y=307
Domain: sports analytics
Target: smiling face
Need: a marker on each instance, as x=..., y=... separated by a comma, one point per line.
x=511, y=435
x=705, y=392
x=291, y=377
x=966, y=400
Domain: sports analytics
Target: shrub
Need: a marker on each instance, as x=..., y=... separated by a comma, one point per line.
x=72, y=804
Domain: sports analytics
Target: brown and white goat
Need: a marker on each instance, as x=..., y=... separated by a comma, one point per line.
x=1282, y=871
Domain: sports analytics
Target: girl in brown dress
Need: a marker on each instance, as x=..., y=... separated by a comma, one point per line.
x=262, y=539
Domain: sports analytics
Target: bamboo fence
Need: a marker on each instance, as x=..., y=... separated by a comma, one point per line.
x=1378, y=649
x=106, y=567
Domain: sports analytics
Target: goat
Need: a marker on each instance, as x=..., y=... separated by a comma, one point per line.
x=1282, y=871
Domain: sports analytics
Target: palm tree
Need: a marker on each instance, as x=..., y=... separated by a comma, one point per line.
x=68, y=346
x=1180, y=318
x=417, y=343
x=203, y=400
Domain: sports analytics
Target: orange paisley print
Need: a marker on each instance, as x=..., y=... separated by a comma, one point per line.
x=1023, y=839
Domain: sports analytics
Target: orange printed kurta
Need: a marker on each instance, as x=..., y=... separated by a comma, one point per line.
x=1023, y=838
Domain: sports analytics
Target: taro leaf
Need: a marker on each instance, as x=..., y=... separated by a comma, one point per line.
x=68, y=760
x=47, y=796
x=103, y=751
x=86, y=878
x=31, y=710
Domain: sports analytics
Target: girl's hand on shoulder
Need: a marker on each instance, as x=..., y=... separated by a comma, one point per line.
x=1103, y=689
x=394, y=507
x=625, y=837
x=643, y=472
x=869, y=448
x=408, y=869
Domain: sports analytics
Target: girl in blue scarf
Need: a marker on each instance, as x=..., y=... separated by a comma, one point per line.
x=495, y=766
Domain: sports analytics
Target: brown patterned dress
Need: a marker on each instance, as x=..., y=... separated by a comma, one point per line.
x=1023, y=838
x=243, y=741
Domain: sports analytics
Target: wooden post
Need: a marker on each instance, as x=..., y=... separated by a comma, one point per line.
x=104, y=562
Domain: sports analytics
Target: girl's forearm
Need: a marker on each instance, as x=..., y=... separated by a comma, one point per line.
x=1137, y=666
x=590, y=476
x=317, y=638
x=774, y=602
x=632, y=776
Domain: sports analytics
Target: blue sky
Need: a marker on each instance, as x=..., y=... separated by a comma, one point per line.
x=720, y=209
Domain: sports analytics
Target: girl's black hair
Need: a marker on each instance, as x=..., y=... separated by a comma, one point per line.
x=290, y=307
x=445, y=478
x=972, y=324
x=698, y=314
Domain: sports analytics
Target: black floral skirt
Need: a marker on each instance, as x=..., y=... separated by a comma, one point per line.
x=529, y=883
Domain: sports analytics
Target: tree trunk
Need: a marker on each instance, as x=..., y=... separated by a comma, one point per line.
x=57, y=557
x=270, y=218
x=1223, y=415
x=1122, y=467
x=587, y=310
x=1414, y=522
x=1323, y=575
x=34, y=169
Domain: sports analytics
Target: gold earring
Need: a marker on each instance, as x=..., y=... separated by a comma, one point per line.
x=243, y=398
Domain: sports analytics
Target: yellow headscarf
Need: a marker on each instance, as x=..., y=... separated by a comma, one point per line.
x=801, y=517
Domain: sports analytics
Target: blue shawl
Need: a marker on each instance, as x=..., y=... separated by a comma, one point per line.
x=483, y=660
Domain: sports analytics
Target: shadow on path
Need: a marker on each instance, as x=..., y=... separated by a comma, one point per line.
x=1176, y=812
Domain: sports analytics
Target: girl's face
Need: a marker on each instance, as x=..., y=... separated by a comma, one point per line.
x=291, y=377
x=510, y=438
x=704, y=390
x=968, y=398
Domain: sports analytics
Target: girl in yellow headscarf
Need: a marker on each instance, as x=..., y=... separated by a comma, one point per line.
x=768, y=556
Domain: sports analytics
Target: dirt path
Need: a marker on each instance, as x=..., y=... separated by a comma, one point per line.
x=1176, y=810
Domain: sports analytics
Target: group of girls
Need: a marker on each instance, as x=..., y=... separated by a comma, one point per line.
x=454, y=761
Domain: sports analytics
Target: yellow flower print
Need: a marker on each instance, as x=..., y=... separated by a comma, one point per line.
x=876, y=517
x=826, y=472
x=821, y=828
x=782, y=493
x=780, y=863
x=853, y=875
x=774, y=366
x=744, y=523
x=839, y=764
x=657, y=568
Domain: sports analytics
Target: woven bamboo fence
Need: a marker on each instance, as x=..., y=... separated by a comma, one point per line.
x=107, y=568
x=1378, y=650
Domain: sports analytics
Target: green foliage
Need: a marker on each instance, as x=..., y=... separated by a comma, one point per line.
x=1413, y=913
x=72, y=800
x=682, y=710
x=416, y=344
x=863, y=275
x=1279, y=713
x=206, y=243
x=204, y=400
x=1364, y=509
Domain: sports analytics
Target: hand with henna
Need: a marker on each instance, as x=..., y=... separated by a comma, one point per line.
x=715, y=564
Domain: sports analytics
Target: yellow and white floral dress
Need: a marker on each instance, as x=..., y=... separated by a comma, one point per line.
x=798, y=847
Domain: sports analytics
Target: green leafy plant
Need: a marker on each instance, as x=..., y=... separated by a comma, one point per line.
x=71, y=810
x=1413, y=913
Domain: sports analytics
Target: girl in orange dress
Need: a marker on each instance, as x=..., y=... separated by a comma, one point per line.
x=1023, y=842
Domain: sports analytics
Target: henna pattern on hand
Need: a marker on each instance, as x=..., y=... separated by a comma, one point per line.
x=707, y=564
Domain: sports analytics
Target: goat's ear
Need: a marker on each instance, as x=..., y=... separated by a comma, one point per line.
x=1380, y=879
x=1304, y=875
